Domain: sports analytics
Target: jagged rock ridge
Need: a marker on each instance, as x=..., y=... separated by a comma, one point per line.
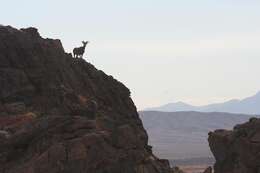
x=237, y=151
x=59, y=114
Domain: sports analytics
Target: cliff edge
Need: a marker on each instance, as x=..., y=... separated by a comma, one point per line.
x=59, y=114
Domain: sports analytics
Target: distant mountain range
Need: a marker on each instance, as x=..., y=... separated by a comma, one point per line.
x=183, y=135
x=250, y=105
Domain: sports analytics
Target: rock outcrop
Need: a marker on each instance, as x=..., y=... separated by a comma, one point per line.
x=237, y=151
x=59, y=114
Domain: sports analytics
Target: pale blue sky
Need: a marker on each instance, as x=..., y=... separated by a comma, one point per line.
x=199, y=52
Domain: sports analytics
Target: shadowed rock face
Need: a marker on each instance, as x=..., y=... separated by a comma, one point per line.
x=237, y=151
x=59, y=114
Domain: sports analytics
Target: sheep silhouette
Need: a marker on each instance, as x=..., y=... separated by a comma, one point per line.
x=79, y=51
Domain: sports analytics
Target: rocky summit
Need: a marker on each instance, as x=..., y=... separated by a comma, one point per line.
x=237, y=151
x=60, y=114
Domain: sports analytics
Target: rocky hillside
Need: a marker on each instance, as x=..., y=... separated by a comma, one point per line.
x=59, y=114
x=237, y=151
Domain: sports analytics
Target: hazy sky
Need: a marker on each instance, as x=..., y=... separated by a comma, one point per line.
x=199, y=52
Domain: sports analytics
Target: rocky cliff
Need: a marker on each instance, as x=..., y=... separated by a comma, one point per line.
x=237, y=151
x=59, y=114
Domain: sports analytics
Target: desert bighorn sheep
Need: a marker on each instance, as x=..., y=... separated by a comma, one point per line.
x=79, y=51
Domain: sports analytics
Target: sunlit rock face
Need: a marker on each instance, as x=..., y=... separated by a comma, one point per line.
x=60, y=114
x=237, y=151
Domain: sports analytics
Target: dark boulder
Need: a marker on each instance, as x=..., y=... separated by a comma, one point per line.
x=237, y=151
